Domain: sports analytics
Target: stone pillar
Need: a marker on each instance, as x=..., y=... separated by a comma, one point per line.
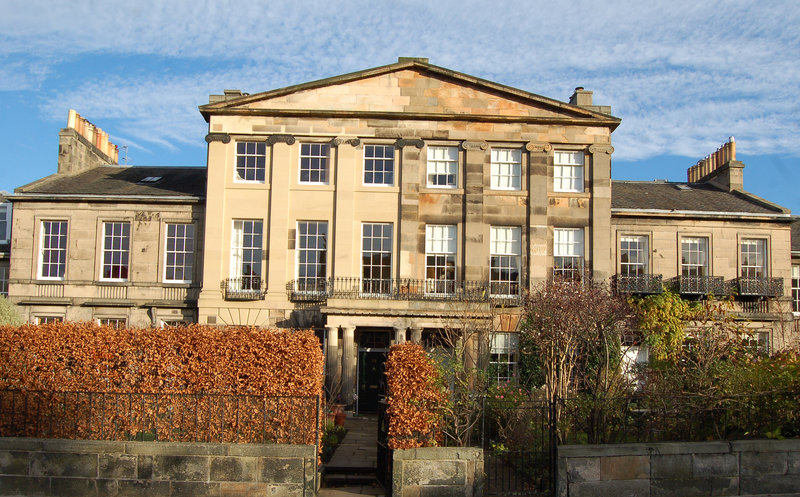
x=539, y=158
x=399, y=335
x=416, y=334
x=348, y=364
x=476, y=252
x=410, y=171
x=333, y=367
x=600, y=246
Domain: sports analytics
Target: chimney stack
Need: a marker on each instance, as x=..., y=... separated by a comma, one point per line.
x=82, y=146
x=719, y=168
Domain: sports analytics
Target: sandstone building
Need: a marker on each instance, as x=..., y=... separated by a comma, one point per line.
x=366, y=205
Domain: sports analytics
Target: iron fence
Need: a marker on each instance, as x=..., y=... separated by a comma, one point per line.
x=402, y=289
x=160, y=417
x=520, y=437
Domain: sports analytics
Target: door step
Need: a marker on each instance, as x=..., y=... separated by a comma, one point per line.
x=343, y=476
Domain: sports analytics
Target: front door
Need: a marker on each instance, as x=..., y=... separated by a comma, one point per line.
x=371, y=380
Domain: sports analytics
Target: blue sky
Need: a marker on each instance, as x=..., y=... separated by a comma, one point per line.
x=683, y=76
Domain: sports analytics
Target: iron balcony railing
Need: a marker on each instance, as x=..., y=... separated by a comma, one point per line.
x=702, y=285
x=760, y=287
x=401, y=289
x=639, y=283
x=244, y=288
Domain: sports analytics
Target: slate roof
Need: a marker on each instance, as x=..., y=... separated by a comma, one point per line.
x=702, y=197
x=124, y=180
x=796, y=234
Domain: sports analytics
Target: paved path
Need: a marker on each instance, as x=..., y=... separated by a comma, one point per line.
x=357, y=452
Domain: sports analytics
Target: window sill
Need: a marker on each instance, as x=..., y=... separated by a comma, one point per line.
x=113, y=283
x=506, y=193
x=570, y=194
x=442, y=191
x=377, y=189
x=313, y=187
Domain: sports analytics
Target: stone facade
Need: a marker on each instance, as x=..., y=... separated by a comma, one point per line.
x=365, y=205
x=100, y=468
x=744, y=468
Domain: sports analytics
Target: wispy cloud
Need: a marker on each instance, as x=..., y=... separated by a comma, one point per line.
x=683, y=75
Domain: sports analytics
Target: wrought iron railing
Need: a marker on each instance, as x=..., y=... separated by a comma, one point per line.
x=244, y=288
x=402, y=289
x=702, y=285
x=639, y=283
x=761, y=287
x=757, y=306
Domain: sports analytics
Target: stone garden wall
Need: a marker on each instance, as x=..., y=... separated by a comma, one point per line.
x=742, y=468
x=438, y=471
x=55, y=467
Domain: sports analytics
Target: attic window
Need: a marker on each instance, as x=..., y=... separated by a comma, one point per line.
x=682, y=186
x=150, y=179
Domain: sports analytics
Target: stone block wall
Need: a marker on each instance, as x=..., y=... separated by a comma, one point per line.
x=742, y=468
x=438, y=472
x=98, y=468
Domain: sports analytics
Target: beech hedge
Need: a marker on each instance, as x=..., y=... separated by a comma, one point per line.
x=173, y=362
x=416, y=399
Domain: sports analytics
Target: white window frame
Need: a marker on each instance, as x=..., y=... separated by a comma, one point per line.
x=308, y=244
x=114, y=322
x=756, y=248
x=49, y=319
x=124, y=250
x=695, y=256
x=314, y=156
x=251, y=282
x=253, y=157
x=442, y=162
x=441, y=269
x=374, y=244
x=503, y=349
x=506, y=169
x=384, y=162
x=179, y=250
x=46, y=253
x=636, y=248
x=568, y=245
x=4, y=280
x=568, y=170
x=5, y=222
x=505, y=253
x=796, y=288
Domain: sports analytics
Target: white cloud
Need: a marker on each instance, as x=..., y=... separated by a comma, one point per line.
x=683, y=75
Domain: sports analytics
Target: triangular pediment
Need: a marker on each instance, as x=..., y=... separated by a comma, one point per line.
x=411, y=88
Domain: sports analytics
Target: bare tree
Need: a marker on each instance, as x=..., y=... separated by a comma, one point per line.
x=576, y=328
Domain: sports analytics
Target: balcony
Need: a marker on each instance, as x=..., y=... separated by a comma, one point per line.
x=244, y=288
x=702, y=285
x=642, y=284
x=760, y=287
x=401, y=289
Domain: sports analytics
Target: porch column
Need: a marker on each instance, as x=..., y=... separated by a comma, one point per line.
x=399, y=335
x=348, y=364
x=416, y=334
x=333, y=370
